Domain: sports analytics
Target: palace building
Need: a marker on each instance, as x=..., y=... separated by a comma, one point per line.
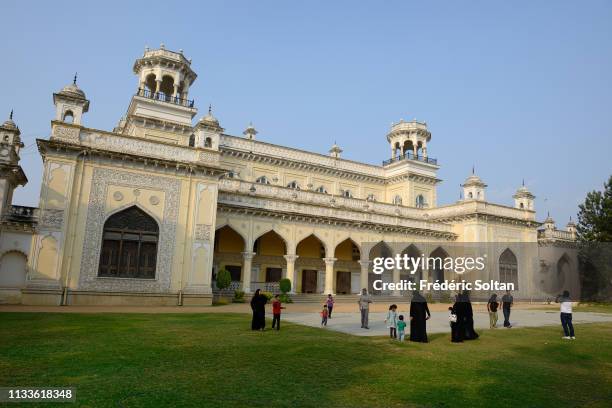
x=148, y=212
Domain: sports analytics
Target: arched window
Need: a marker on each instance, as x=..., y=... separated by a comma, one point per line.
x=470, y=195
x=347, y=194
x=371, y=197
x=321, y=189
x=522, y=206
x=262, y=180
x=420, y=201
x=129, y=245
x=397, y=200
x=192, y=141
x=13, y=270
x=150, y=85
x=208, y=142
x=508, y=268
x=166, y=88
x=294, y=184
x=68, y=116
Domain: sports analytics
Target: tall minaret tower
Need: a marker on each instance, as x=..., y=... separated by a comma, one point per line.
x=161, y=101
x=11, y=173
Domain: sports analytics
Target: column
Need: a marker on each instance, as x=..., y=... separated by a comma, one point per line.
x=365, y=268
x=291, y=270
x=175, y=93
x=424, y=149
x=247, y=260
x=329, y=275
x=157, y=85
x=396, y=279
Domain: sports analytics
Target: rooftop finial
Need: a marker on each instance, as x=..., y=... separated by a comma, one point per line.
x=210, y=109
x=523, y=182
x=11, y=115
x=473, y=169
x=75, y=78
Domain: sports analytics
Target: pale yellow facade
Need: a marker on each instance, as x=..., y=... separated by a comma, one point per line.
x=212, y=200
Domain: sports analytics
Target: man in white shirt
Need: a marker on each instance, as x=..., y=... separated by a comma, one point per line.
x=364, y=307
x=566, y=315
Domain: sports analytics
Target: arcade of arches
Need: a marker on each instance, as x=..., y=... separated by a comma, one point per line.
x=312, y=270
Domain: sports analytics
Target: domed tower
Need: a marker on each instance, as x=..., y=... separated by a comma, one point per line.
x=571, y=227
x=208, y=131
x=549, y=223
x=11, y=173
x=70, y=104
x=408, y=139
x=523, y=199
x=161, y=102
x=474, y=188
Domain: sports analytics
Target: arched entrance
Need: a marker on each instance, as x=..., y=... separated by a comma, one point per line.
x=347, y=269
x=382, y=249
x=310, y=266
x=129, y=245
x=508, y=268
x=228, y=249
x=13, y=270
x=269, y=264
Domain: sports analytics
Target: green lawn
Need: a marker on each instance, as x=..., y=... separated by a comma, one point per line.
x=134, y=360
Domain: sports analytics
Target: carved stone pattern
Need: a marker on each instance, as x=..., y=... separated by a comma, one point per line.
x=96, y=216
x=118, y=196
x=52, y=219
x=66, y=133
x=122, y=144
x=208, y=157
x=154, y=200
x=202, y=232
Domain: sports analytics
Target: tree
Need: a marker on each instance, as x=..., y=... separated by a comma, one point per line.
x=595, y=216
x=224, y=279
x=594, y=231
x=285, y=285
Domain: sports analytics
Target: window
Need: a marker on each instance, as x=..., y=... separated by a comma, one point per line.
x=397, y=200
x=420, y=201
x=262, y=180
x=470, y=195
x=522, y=206
x=208, y=142
x=508, y=268
x=68, y=116
x=371, y=197
x=294, y=184
x=347, y=194
x=192, y=141
x=129, y=245
x=321, y=189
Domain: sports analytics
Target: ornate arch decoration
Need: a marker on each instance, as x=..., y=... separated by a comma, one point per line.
x=129, y=245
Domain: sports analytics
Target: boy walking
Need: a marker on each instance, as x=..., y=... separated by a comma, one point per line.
x=324, y=315
x=566, y=315
x=276, y=312
x=507, y=302
x=401, y=328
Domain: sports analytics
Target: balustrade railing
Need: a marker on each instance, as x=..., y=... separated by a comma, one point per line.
x=160, y=96
x=410, y=156
x=20, y=213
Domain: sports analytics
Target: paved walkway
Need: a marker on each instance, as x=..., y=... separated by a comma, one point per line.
x=350, y=322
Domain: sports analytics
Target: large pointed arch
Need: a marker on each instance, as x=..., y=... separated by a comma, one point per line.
x=129, y=245
x=508, y=268
x=413, y=252
x=228, y=248
x=436, y=263
x=309, y=265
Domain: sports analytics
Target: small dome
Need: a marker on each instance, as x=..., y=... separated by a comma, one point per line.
x=209, y=118
x=73, y=91
x=473, y=180
x=9, y=124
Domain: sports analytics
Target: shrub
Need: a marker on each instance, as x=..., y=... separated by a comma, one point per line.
x=285, y=298
x=224, y=279
x=285, y=285
x=221, y=302
x=445, y=297
x=238, y=296
x=268, y=295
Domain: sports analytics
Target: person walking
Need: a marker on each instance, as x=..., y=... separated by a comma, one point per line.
x=401, y=328
x=364, y=307
x=330, y=304
x=566, y=315
x=391, y=321
x=470, y=333
x=456, y=318
x=258, y=306
x=324, y=315
x=276, y=312
x=492, y=306
x=507, y=302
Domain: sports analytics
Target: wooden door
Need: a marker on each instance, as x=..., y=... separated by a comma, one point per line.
x=273, y=274
x=343, y=283
x=309, y=281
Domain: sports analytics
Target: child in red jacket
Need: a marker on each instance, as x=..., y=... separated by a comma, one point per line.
x=276, y=312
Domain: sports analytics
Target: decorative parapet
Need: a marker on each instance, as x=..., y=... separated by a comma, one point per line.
x=461, y=210
x=113, y=142
x=270, y=198
x=556, y=235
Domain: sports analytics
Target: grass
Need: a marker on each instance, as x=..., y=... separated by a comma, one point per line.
x=141, y=360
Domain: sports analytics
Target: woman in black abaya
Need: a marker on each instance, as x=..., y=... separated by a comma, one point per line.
x=458, y=328
x=258, y=305
x=419, y=314
x=470, y=333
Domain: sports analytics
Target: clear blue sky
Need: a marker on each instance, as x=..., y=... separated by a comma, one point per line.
x=520, y=89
